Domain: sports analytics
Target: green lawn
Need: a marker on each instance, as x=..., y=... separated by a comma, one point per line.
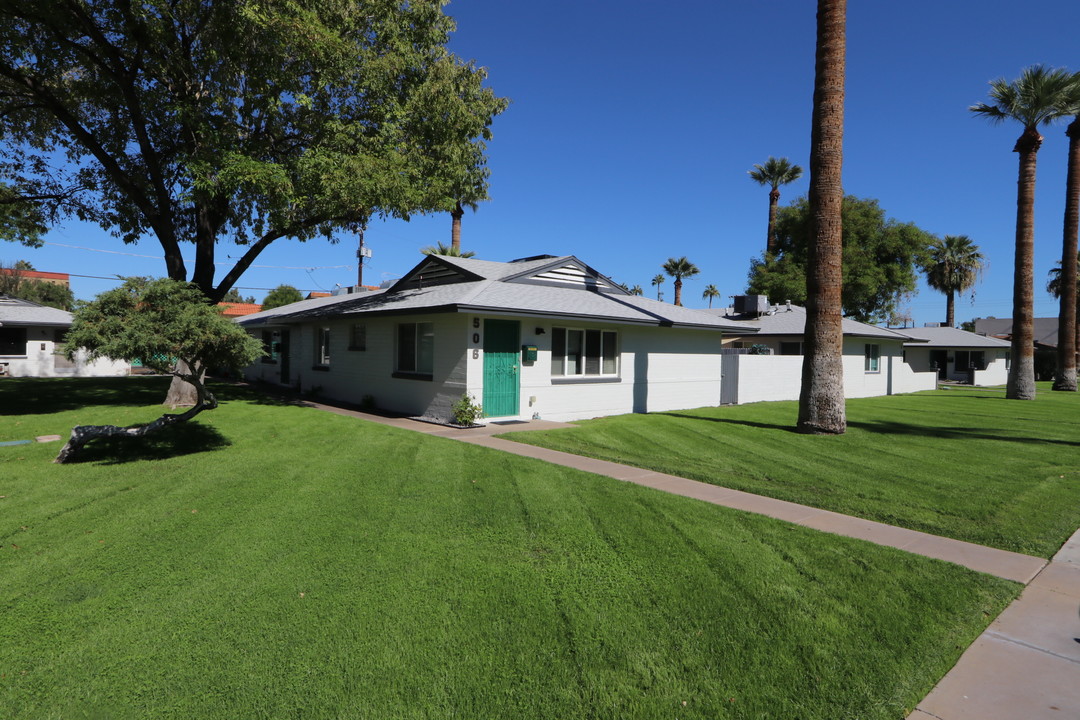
x=964, y=463
x=274, y=561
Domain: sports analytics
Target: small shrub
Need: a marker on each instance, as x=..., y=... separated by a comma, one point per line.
x=467, y=411
x=760, y=350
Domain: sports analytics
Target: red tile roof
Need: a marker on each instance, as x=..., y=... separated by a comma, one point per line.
x=239, y=309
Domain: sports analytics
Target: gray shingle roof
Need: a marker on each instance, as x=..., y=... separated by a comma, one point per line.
x=951, y=337
x=793, y=322
x=1046, y=329
x=524, y=288
x=15, y=311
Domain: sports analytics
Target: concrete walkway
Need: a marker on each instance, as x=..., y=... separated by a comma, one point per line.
x=1025, y=666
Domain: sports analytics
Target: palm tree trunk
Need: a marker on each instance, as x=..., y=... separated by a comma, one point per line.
x=1065, y=378
x=678, y=291
x=950, y=309
x=821, y=400
x=455, y=226
x=771, y=244
x=1021, y=383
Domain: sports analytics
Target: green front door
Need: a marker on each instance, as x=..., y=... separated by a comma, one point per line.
x=502, y=367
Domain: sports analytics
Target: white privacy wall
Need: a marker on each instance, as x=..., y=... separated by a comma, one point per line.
x=764, y=378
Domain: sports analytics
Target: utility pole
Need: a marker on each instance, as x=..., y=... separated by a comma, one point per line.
x=362, y=252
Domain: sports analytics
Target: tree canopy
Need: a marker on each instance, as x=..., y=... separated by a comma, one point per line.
x=881, y=259
x=281, y=295
x=159, y=322
x=201, y=121
x=15, y=283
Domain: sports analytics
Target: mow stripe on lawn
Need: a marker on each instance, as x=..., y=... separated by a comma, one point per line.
x=965, y=464
x=302, y=564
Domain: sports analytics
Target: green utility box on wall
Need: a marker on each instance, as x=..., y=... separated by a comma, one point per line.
x=528, y=353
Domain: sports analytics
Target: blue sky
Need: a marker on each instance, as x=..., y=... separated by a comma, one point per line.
x=633, y=125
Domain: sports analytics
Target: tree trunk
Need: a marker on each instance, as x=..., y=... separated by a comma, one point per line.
x=82, y=434
x=950, y=309
x=1021, y=383
x=678, y=291
x=181, y=392
x=771, y=243
x=1065, y=377
x=455, y=226
x=821, y=400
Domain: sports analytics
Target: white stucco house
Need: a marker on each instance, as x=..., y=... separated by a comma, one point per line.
x=873, y=357
x=545, y=337
x=31, y=338
x=958, y=355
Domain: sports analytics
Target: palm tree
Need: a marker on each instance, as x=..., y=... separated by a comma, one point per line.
x=1053, y=286
x=450, y=250
x=821, y=399
x=636, y=290
x=658, y=280
x=1065, y=377
x=680, y=268
x=455, y=223
x=774, y=173
x=710, y=293
x=954, y=265
x=1038, y=97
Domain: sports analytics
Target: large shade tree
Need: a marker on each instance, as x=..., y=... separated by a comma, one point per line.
x=158, y=322
x=774, y=172
x=1065, y=377
x=197, y=122
x=821, y=399
x=680, y=269
x=953, y=265
x=1038, y=97
x=882, y=258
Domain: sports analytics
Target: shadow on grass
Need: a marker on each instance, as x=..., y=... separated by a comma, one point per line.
x=732, y=421
x=43, y=396
x=184, y=439
x=893, y=428
x=951, y=433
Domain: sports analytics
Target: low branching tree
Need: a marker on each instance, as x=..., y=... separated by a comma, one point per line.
x=168, y=325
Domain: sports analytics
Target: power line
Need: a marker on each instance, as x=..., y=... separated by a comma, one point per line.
x=158, y=257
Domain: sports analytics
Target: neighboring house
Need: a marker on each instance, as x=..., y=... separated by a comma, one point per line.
x=31, y=343
x=872, y=356
x=958, y=355
x=538, y=337
x=1045, y=335
x=234, y=310
x=48, y=277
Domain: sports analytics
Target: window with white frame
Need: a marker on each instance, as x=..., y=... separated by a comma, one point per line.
x=872, y=362
x=322, y=347
x=416, y=348
x=576, y=352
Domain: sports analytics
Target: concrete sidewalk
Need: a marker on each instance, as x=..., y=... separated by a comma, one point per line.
x=1025, y=666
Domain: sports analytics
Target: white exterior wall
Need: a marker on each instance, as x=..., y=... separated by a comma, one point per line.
x=659, y=369
x=996, y=372
x=353, y=375
x=41, y=360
